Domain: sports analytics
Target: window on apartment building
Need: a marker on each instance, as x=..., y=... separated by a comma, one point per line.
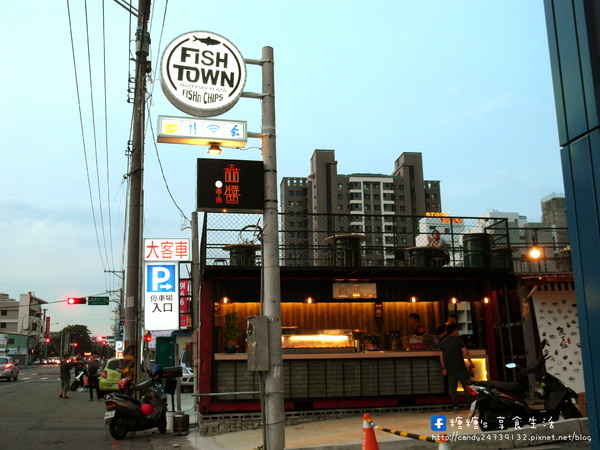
x=290, y=193
x=377, y=207
x=401, y=187
x=376, y=196
x=402, y=208
x=3, y=325
x=356, y=196
x=340, y=207
x=356, y=206
x=340, y=196
x=401, y=198
x=366, y=186
x=354, y=185
x=340, y=186
x=4, y=313
x=367, y=196
x=376, y=186
x=367, y=207
x=389, y=207
x=388, y=186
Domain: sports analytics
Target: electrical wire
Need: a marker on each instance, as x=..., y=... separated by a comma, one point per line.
x=87, y=169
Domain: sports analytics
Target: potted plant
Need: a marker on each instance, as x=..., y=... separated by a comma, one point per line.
x=231, y=332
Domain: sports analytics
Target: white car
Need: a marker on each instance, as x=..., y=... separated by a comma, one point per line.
x=8, y=368
x=187, y=378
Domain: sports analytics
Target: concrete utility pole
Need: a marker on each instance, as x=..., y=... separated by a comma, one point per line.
x=271, y=302
x=136, y=172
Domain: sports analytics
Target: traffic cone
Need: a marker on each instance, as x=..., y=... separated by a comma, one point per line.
x=444, y=443
x=369, y=441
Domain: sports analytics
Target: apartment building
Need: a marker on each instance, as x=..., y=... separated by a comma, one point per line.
x=385, y=208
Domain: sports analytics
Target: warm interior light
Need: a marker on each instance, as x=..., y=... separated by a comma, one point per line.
x=535, y=253
x=486, y=300
x=413, y=299
x=214, y=149
x=225, y=300
x=317, y=337
x=309, y=300
x=454, y=300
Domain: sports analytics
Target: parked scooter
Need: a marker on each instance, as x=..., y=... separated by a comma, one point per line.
x=80, y=375
x=124, y=413
x=502, y=405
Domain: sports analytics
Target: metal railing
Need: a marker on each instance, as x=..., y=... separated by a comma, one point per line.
x=356, y=240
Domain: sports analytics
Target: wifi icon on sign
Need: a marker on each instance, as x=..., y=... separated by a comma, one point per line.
x=213, y=127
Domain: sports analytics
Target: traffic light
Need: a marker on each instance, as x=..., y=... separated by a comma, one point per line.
x=48, y=340
x=147, y=336
x=76, y=301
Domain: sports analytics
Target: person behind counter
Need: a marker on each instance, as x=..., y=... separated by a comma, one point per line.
x=414, y=325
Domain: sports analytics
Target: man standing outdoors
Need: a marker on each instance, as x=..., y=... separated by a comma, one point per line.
x=93, y=370
x=452, y=357
x=65, y=376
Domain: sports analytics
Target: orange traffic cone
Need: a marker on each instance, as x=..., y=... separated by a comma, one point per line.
x=369, y=441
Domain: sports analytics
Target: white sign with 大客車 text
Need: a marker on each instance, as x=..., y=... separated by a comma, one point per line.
x=167, y=250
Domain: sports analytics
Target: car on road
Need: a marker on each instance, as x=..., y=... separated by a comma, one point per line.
x=111, y=374
x=8, y=368
x=187, y=379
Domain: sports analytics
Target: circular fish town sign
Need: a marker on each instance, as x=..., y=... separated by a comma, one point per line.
x=202, y=73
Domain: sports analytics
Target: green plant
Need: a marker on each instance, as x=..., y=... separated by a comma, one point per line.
x=231, y=329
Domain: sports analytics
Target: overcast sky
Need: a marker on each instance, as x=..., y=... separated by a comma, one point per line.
x=466, y=83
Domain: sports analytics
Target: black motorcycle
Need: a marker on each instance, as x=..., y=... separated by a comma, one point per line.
x=501, y=405
x=125, y=413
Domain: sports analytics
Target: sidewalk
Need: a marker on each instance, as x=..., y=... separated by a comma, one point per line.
x=347, y=433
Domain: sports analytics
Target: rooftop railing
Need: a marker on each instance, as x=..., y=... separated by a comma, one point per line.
x=378, y=241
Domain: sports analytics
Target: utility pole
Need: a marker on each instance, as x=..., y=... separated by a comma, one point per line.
x=271, y=301
x=132, y=330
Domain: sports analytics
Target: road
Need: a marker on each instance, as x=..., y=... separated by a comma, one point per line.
x=33, y=417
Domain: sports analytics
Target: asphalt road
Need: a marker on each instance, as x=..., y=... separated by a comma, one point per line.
x=33, y=417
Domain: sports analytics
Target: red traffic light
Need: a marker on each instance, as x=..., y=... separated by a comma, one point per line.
x=48, y=340
x=147, y=336
x=76, y=301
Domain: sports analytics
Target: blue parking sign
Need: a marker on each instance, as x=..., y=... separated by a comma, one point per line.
x=161, y=278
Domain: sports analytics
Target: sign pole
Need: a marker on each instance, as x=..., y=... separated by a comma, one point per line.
x=271, y=300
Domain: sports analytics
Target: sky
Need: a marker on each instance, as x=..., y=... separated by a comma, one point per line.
x=466, y=83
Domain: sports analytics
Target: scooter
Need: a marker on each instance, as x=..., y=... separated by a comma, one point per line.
x=501, y=405
x=79, y=381
x=124, y=413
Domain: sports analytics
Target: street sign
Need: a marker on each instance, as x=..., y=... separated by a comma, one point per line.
x=188, y=130
x=202, y=73
x=161, y=296
x=167, y=249
x=97, y=300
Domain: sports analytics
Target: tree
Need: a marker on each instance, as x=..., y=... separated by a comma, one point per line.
x=77, y=334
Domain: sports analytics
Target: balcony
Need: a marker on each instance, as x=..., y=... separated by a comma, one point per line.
x=385, y=241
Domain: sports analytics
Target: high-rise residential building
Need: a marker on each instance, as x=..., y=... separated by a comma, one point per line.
x=385, y=208
x=554, y=210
